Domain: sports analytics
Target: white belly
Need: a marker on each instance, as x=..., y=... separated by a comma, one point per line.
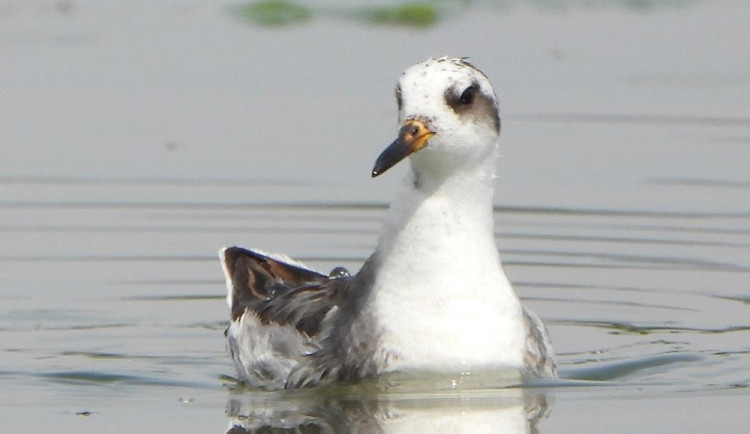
x=447, y=328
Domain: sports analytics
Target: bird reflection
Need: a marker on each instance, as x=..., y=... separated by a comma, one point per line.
x=357, y=409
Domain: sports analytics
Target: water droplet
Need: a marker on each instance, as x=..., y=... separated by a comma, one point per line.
x=338, y=273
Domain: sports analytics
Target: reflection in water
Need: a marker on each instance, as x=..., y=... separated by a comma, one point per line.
x=509, y=410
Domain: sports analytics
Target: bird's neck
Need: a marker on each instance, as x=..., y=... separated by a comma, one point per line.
x=438, y=218
x=440, y=296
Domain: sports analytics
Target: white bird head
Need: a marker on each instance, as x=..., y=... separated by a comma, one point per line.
x=449, y=119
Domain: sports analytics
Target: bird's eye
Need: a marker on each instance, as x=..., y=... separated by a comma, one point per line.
x=467, y=98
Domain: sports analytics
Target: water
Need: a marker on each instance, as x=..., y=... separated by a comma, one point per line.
x=138, y=139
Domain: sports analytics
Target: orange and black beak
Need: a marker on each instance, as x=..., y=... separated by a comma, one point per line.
x=412, y=137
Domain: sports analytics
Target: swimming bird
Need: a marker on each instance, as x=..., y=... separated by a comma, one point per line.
x=432, y=297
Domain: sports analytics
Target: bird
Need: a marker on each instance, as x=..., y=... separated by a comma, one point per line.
x=432, y=297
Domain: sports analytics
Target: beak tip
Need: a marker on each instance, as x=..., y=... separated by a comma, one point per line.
x=379, y=168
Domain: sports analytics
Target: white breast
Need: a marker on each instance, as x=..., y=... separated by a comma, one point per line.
x=441, y=298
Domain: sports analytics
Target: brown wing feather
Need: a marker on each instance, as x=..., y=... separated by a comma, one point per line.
x=278, y=291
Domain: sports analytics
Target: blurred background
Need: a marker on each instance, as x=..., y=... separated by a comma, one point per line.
x=139, y=137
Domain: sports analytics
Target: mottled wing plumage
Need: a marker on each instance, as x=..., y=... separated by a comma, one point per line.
x=539, y=358
x=253, y=277
x=278, y=312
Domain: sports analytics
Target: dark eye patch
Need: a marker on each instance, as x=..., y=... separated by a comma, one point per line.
x=461, y=99
x=472, y=102
x=398, y=97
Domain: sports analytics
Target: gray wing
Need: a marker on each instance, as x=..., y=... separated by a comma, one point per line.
x=539, y=358
x=280, y=312
x=278, y=292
